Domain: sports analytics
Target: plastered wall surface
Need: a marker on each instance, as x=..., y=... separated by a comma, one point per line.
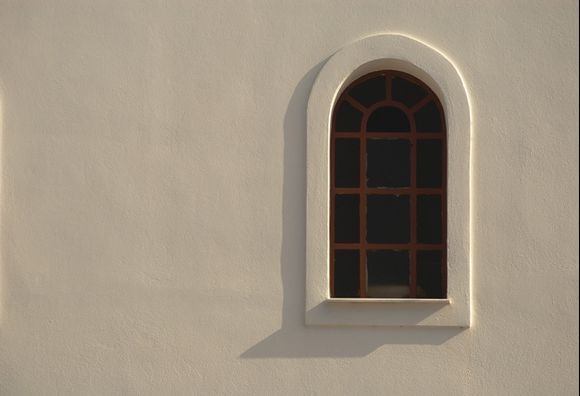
x=152, y=224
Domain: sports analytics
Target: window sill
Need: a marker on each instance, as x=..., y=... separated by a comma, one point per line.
x=398, y=312
x=441, y=301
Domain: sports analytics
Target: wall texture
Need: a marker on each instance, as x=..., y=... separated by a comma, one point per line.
x=153, y=199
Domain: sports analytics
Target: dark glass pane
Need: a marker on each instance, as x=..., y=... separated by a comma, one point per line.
x=370, y=91
x=388, y=163
x=429, y=278
x=428, y=119
x=346, y=219
x=347, y=119
x=388, y=274
x=388, y=119
x=387, y=219
x=346, y=273
x=429, y=225
x=347, y=163
x=407, y=92
x=429, y=163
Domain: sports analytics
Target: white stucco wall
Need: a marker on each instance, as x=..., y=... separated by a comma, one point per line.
x=153, y=200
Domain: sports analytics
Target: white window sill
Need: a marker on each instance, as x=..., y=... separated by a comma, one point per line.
x=441, y=301
x=398, y=312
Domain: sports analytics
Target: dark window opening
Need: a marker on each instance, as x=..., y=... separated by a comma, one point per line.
x=347, y=119
x=388, y=219
x=388, y=190
x=429, y=276
x=370, y=91
x=347, y=162
x=407, y=92
x=346, y=219
x=429, y=163
x=429, y=219
x=346, y=269
x=388, y=119
x=388, y=274
x=428, y=119
x=388, y=163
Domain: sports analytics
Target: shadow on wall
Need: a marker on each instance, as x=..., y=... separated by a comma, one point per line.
x=294, y=339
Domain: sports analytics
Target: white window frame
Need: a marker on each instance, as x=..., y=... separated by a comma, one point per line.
x=406, y=54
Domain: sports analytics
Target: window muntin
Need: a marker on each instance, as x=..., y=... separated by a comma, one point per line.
x=389, y=221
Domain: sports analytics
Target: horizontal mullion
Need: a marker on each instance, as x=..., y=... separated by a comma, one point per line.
x=404, y=135
x=342, y=135
x=389, y=135
x=388, y=246
x=388, y=191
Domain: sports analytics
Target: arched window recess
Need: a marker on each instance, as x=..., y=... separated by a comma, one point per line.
x=388, y=188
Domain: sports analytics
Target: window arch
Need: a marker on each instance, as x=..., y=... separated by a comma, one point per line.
x=388, y=190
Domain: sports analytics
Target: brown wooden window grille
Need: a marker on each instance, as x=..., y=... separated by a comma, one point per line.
x=388, y=222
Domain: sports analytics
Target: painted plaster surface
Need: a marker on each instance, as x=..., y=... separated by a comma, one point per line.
x=152, y=224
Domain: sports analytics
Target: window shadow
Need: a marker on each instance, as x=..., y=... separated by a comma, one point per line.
x=294, y=339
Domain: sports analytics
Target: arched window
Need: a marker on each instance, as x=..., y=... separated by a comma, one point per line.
x=401, y=212
x=388, y=190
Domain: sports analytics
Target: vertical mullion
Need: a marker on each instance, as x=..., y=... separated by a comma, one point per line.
x=413, y=204
x=444, y=252
x=332, y=199
x=444, y=209
x=363, y=208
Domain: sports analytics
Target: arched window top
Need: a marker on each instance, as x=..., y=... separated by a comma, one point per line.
x=388, y=101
